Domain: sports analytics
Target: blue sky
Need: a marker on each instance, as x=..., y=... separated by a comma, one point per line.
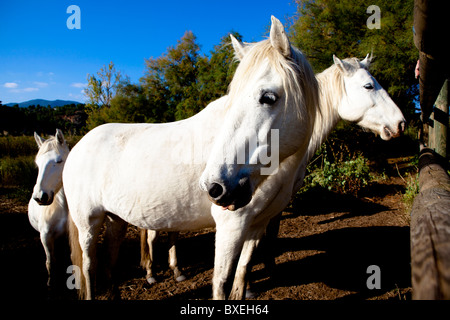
x=41, y=58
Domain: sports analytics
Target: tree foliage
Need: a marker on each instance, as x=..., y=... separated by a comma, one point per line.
x=101, y=89
x=175, y=86
x=216, y=73
x=171, y=80
x=42, y=119
x=99, y=93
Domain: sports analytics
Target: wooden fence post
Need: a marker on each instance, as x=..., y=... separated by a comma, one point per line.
x=438, y=133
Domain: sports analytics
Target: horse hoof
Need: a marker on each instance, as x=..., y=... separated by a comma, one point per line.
x=180, y=278
x=151, y=280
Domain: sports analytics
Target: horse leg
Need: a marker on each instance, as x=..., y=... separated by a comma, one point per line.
x=250, y=244
x=148, y=238
x=230, y=235
x=88, y=232
x=115, y=232
x=268, y=243
x=48, y=242
x=173, y=262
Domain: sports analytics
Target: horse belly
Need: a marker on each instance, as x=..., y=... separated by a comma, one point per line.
x=134, y=172
x=175, y=218
x=159, y=194
x=176, y=206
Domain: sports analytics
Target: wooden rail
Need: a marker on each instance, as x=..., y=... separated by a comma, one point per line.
x=430, y=231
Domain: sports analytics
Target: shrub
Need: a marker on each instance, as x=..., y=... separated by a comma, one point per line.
x=342, y=176
x=20, y=171
x=11, y=146
x=411, y=191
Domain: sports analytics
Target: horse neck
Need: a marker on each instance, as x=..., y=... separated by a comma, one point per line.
x=59, y=200
x=330, y=95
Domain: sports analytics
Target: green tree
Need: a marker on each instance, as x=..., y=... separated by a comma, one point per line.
x=216, y=73
x=99, y=92
x=327, y=27
x=170, y=81
x=130, y=105
x=175, y=86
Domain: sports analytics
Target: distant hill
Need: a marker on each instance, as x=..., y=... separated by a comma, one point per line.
x=43, y=103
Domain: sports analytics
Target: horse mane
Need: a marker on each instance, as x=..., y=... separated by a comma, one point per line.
x=296, y=72
x=331, y=92
x=51, y=144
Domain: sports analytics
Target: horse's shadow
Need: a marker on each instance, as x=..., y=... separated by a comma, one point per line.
x=320, y=201
x=345, y=256
x=23, y=272
x=345, y=253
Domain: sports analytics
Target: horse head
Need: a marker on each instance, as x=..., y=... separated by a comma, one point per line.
x=271, y=103
x=365, y=101
x=50, y=160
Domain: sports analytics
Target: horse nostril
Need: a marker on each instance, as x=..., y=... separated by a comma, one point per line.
x=215, y=190
x=44, y=198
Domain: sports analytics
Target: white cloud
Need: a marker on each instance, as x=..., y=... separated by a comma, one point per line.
x=11, y=85
x=77, y=96
x=30, y=89
x=42, y=73
x=78, y=85
x=40, y=84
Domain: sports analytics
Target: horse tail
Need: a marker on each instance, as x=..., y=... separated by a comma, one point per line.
x=76, y=256
x=145, y=250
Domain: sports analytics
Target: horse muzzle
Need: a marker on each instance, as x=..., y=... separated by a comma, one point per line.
x=230, y=198
x=44, y=198
x=389, y=132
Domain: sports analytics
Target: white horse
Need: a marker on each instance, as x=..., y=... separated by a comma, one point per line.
x=349, y=92
x=47, y=209
x=356, y=96
x=147, y=174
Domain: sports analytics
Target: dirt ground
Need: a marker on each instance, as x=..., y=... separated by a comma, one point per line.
x=326, y=243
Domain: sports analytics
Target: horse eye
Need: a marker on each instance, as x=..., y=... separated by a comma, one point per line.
x=268, y=98
x=368, y=86
x=59, y=161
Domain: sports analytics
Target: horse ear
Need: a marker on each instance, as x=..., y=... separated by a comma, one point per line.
x=367, y=60
x=239, y=49
x=344, y=66
x=59, y=136
x=279, y=39
x=38, y=139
